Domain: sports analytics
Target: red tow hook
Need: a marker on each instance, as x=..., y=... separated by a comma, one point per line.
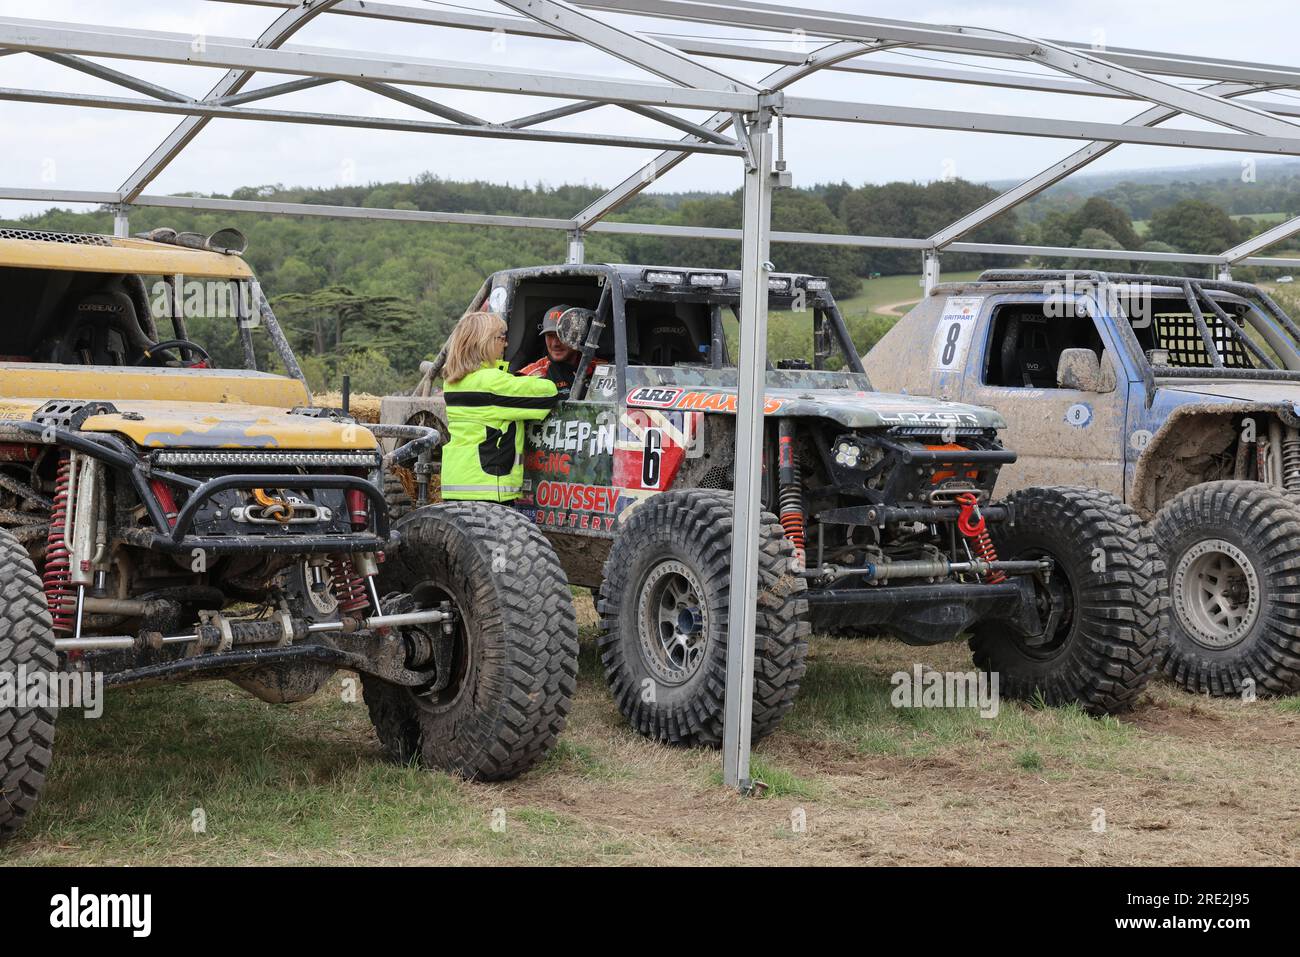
x=971, y=524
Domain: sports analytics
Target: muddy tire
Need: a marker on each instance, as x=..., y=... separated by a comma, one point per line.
x=399, y=503
x=1109, y=585
x=26, y=639
x=513, y=662
x=663, y=619
x=1233, y=555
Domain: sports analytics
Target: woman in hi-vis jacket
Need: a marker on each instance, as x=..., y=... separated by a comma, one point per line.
x=486, y=409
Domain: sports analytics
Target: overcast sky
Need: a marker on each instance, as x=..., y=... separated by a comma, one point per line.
x=77, y=148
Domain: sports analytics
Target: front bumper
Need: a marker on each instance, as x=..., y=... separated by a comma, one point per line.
x=175, y=537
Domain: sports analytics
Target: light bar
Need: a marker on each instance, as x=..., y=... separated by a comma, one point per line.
x=778, y=284
x=816, y=285
x=661, y=277
x=710, y=279
x=291, y=459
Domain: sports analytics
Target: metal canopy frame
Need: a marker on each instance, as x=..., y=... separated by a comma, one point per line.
x=742, y=114
x=1264, y=125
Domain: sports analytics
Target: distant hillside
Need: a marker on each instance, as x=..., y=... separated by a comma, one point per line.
x=375, y=297
x=1271, y=186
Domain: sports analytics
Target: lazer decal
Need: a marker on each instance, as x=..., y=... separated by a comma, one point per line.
x=953, y=334
x=930, y=418
x=1079, y=415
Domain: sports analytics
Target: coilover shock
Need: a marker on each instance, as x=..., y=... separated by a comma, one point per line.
x=1291, y=459
x=349, y=587
x=60, y=596
x=971, y=524
x=790, y=493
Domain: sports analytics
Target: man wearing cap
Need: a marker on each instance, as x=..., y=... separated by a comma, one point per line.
x=560, y=364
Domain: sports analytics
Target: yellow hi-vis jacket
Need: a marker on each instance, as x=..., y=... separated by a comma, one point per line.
x=485, y=415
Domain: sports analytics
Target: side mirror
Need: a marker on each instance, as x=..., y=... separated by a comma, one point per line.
x=572, y=327
x=1081, y=369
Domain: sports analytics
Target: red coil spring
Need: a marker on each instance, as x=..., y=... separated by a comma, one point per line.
x=978, y=531
x=792, y=522
x=59, y=593
x=349, y=587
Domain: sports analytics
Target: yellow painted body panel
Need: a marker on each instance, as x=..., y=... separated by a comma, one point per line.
x=194, y=425
x=123, y=256
x=24, y=380
x=166, y=407
x=182, y=408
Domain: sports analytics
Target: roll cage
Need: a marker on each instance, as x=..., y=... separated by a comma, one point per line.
x=656, y=316
x=1208, y=343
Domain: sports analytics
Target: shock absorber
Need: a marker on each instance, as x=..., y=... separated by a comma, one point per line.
x=349, y=587
x=971, y=524
x=1291, y=459
x=791, y=492
x=60, y=596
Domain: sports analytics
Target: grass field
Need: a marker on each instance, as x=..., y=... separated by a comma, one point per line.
x=1183, y=780
x=882, y=302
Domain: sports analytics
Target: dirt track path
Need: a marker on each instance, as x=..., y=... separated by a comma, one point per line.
x=896, y=308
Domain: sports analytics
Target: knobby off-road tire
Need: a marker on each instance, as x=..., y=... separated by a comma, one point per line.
x=663, y=619
x=514, y=662
x=26, y=638
x=1111, y=580
x=399, y=503
x=1233, y=555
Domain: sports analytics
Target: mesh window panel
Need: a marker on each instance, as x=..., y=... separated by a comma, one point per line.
x=78, y=239
x=1177, y=333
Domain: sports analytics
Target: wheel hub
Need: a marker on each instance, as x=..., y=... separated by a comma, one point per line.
x=673, y=623
x=1216, y=593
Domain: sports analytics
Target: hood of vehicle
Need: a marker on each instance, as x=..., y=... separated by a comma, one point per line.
x=197, y=425
x=1265, y=393
x=851, y=408
x=43, y=381
x=209, y=425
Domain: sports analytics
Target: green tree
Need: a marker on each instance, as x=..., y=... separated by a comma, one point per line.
x=1101, y=214
x=1195, y=226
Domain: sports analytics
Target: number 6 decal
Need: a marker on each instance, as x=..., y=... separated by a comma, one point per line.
x=651, y=460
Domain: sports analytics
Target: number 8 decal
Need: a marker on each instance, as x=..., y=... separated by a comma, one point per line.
x=950, y=344
x=651, y=459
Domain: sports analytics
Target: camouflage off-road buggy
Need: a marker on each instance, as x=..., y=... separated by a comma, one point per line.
x=878, y=510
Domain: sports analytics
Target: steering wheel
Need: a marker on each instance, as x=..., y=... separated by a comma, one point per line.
x=152, y=356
